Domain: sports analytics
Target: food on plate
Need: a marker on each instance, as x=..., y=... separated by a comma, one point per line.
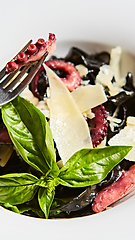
x=63, y=161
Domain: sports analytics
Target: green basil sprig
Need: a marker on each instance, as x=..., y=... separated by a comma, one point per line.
x=90, y=166
x=31, y=135
x=17, y=188
x=45, y=198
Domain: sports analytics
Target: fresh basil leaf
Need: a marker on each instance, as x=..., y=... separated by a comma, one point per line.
x=17, y=188
x=54, y=213
x=91, y=166
x=54, y=208
x=57, y=203
x=37, y=212
x=54, y=171
x=46, y=194
x=10, y=207
x=45, y=198
x=25, y=208
x=30, y=133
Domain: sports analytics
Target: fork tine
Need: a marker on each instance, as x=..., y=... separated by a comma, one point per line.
x=24, y=48
x=2, y=72
x=28, y=79
x=16, y=80
x=7, y=79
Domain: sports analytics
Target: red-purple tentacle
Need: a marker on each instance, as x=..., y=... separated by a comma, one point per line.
x=115, y=191
x=33, y=53
x=4, y=136
x=99, y=132
x=72, y=79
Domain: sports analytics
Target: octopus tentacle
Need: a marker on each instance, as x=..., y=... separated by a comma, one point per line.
x=4, y=136
x=33, y=53
x=34, y=83
x=99, y=131
x=115, y=191
x=72, y=79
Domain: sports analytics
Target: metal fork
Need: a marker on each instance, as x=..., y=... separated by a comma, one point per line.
x=13, y=84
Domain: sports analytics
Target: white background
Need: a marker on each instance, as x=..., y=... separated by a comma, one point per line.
x=101, y=21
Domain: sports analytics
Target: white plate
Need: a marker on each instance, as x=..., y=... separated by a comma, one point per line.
x=74, y=22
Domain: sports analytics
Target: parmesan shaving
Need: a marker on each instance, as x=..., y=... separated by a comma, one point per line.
x=115, y=65
x=105, y=77
x=86, y=96
x=131, y=122
x=89, y=114
x=113, y=122
x=69, y=129
x=28, y=95
x=43, y=107
x=125, y=137
x=107, y=72
x=115, y=62
x=83, y=71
